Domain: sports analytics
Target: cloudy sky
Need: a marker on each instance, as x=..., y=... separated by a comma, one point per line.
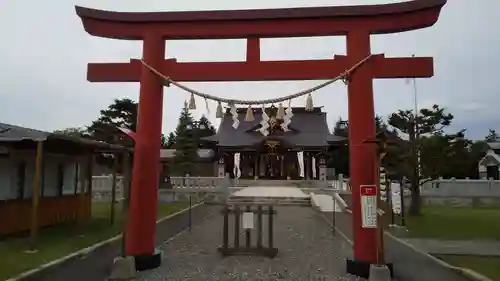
x=45, y=50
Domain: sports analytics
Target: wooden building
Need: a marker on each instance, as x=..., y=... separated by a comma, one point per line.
x=57, y=166
x=274, y=156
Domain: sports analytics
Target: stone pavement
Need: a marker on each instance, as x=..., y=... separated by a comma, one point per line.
x=409, y=264
x=460, y=247
x=307, y=251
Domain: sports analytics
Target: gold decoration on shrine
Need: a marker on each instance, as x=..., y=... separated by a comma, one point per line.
x=272, y=144
x=273, y=122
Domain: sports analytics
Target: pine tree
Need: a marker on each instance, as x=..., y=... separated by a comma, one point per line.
x=186, y=145
x=204, y=129
x=170, y=140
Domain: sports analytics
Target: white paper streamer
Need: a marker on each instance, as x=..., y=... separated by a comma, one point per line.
x=237, y=171
x=300, y=158
x=314, y=167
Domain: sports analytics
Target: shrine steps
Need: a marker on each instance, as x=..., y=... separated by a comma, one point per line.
x=288, y=201
x=270, y=195
x=265, y=183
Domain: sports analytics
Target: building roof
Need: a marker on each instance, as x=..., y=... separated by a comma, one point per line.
x=308, y=129
x=12, y=133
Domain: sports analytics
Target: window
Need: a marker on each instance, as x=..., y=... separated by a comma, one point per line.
x=21, y=179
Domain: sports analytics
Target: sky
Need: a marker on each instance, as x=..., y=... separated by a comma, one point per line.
x=45, y=52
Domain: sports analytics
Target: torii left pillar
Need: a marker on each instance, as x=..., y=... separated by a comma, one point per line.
x=141, y=224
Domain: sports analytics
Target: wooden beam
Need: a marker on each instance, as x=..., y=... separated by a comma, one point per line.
x=262, y=70
x=36, y=195
x=113, y=189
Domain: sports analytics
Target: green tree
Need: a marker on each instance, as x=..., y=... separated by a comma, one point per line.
x=170, y=140
x=121, y=113
x=429, y=121
x=204, y=128
x=339, y=156
x=186, y=144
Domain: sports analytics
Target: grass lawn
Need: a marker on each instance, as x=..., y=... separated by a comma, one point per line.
x=56, y=242
x=456, y=224
x=487, y=266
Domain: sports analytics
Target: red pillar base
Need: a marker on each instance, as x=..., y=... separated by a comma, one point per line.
x=148, y=261
x=362, y=269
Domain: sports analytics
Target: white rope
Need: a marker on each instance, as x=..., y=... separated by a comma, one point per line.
x=343, y=76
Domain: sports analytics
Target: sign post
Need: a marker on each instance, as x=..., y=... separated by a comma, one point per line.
x=368, y=206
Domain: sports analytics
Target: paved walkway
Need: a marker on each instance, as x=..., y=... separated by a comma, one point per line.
x=307, y=251
x=464, y=247
x=409, y=264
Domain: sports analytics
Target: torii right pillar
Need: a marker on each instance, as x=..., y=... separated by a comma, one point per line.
x=364, y=162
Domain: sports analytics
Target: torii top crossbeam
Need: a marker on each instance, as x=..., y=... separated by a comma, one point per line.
x=254, y=24
x=264, y=23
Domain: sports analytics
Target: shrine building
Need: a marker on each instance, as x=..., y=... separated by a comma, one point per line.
x=296, y=151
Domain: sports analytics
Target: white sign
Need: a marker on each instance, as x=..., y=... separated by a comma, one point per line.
x=247, y=219
x=368, y=206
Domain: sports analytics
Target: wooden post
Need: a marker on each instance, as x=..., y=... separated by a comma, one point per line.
x=270, y=227
x=237, y=214
x=113, y=190
x=126, y=194
x=225, y=231
x=88, y=188
x=247, y=232
x=383, y=211
x=259, y=226
x=36, y=194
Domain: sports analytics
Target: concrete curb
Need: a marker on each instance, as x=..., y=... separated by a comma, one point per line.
x=85, y=251
x=468, y=273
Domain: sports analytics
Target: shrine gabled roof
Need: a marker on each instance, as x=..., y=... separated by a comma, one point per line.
x=310, y=130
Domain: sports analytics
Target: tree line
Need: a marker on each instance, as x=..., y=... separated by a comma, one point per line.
x=186, y=139
x=420, y=150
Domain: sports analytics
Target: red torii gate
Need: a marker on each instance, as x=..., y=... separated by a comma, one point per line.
x=357, y=23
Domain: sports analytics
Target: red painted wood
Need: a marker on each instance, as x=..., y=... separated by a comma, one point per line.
x=261, y=71
x=141, y=224
x=355, y=22
x=361, y=127
x=381, y=20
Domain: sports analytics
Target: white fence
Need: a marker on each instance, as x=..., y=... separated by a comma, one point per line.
x=462, y=188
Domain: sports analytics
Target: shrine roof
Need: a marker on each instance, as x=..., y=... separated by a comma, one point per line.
x=262, y=14
x=308, y=129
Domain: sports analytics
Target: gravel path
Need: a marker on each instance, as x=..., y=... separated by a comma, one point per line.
x=307, y=251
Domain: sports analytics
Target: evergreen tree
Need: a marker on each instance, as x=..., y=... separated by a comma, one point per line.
x=170, y=140
x=204, y=129
x=429, y=121
x=186, y=144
